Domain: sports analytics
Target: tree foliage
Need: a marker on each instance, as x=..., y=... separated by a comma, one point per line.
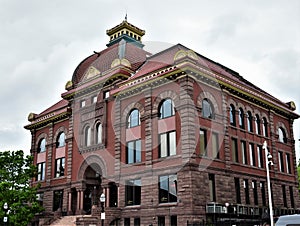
x=16, y=172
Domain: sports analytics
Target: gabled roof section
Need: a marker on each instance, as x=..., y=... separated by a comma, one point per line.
x=56, y=112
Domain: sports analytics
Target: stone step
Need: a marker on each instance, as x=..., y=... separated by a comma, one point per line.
x=65, y=221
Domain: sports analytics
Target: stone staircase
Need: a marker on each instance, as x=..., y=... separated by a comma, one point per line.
x=65, y=221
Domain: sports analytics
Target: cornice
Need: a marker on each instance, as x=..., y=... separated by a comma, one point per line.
x=50, y=118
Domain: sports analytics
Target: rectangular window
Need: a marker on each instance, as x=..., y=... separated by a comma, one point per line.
x=288, y=163
x=106, y=94
x=260, y=157
x=94, y=99
x=126, y=221
x=203, y=142
x=244, y=152
x=237, y=190
x=263, y=193
x=246, y=188
x=292, y=197
x=280, y=161
x=41, y=171
x=133, y=152
x=255, y=195
x=212, y=187
x=167, y=145
x=234, y=148
x=82, y=103
x=133, y=192
x=59, y=167
x=215, y=145
x=284, y=196
x=173, y=220
x=252, y=154
x=57, y=199
x=168, y=188
x=161, y=221
x=137, y=222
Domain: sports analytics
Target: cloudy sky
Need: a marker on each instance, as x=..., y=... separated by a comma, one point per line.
x=42, y=42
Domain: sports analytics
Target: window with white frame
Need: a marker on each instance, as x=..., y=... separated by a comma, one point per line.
x=133, y=152
x=61, y=140
x=42, y=145
x=166, y=109
x=133, y=118
x=41, y=169
x=168, y=188
x=59, y=167
x=167, y=144
x=133, y=192
x=207, y=109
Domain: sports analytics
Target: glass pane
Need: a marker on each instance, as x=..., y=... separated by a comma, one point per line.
x=43, y=145
x=99, y=133
x=138, y=152
x=134, y=118
x=163, y=189
x=130, y=152
x=61, y=140
x=215, y=145
x=172, y=137
x=163, y=145
x=202, y=142
x=173, y=188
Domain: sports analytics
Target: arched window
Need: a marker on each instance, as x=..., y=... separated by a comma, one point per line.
x=61, y=140
x=249, y=121
x=133, y=118
x=87, y=136
x=99, y=133
x=257, y=124
x=241, y=118
x=207, y=109
x=166, y=109
x=265, y=126
x=42, y=145
x=281, y=135
x=232, y=115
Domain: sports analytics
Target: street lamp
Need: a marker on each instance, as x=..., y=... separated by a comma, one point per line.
x=227, y=208
x=5, y=208
x=269, y=161
x=102, y=200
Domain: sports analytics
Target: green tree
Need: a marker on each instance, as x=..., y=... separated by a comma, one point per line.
x=16, y=172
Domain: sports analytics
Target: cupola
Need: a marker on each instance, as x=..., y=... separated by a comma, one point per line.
x=127, y=32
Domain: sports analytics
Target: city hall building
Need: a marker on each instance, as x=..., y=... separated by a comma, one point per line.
x=171, y=138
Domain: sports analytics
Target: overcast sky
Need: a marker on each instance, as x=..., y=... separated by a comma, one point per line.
x=42, y=42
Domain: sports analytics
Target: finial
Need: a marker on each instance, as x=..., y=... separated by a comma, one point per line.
x=126, y=17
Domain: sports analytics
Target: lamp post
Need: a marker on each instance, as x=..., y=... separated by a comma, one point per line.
x=268, y=158
x=227, y=208
x=5, y=218
x=102, y=200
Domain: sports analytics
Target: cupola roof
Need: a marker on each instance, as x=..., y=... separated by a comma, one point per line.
x=127, y=32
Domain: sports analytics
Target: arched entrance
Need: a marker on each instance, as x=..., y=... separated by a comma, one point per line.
x=88, y=189
x=93, y=189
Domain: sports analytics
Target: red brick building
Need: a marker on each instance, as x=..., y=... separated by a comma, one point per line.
x=168, y=138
